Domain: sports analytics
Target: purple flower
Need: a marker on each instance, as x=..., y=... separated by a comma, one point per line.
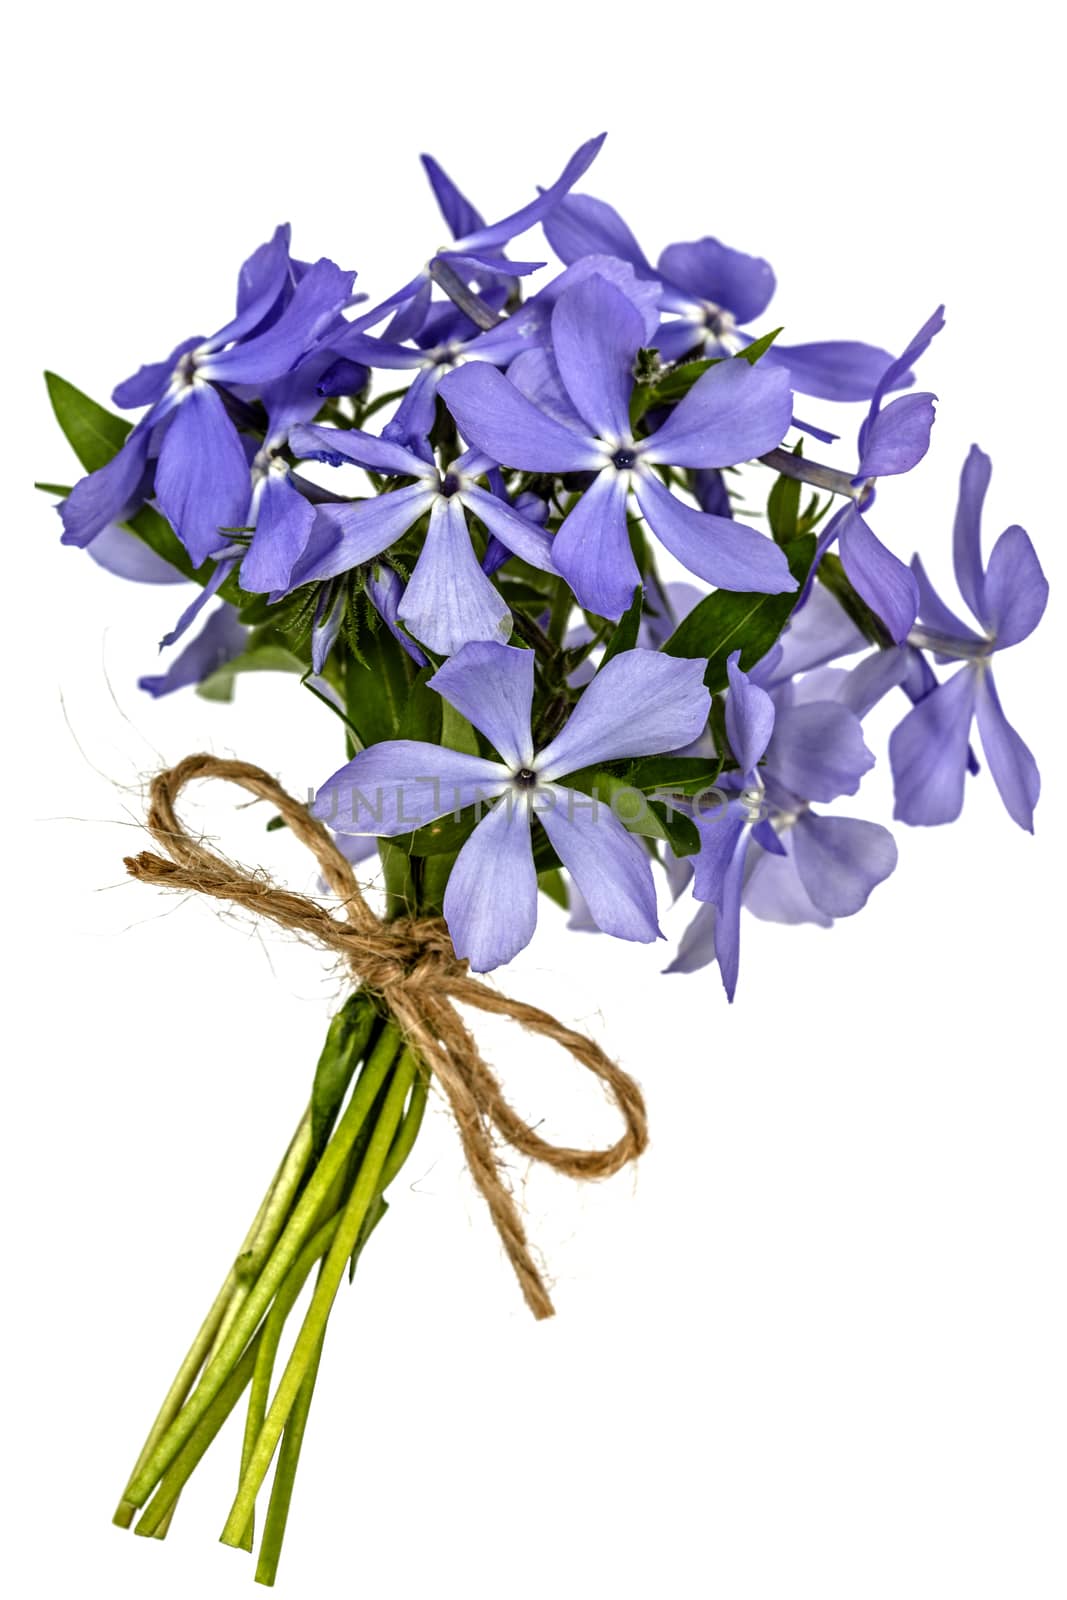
x=187, y=444
x=765, y=845
x=580, y=423
x=477, y=247
x=892, y=439
x=713, y=290
x=449, y=601
x=641, y=703
x=221, y=639
x=1007, y=597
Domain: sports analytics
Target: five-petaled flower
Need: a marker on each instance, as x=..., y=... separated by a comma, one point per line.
x=929, y=750
x=640, y=703
x=574, y=417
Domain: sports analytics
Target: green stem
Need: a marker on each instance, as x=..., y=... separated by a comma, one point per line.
x=205, y=1343
x=281, y=1260
x=181, y=1468
x=271, y=1332
x=281, y=1492
x=364, y=1192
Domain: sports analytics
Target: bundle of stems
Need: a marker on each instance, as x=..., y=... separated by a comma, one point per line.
x=326, y=1199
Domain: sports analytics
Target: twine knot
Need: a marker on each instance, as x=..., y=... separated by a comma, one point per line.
x=411, y=963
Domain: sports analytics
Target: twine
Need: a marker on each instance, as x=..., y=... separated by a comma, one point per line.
x=411, y=964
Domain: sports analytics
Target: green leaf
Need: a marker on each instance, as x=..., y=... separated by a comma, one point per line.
x=378, y=687
x=551, y=883
x=626, y=631
x=456, y=731
x=264, y=658
x=94, y=434
x=61, y=489
x=751, y=623
x=674, y=386
x=832, y=576
x=422, y=714
x=752, y=352
x=679, y=831
x=680, y=774
x=346, y=1042
x=783, y=508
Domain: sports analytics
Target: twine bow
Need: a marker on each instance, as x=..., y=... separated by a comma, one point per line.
x=411, y=964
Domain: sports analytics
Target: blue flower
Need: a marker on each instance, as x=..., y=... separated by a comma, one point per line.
x=765, y=846
x=477, y=247
x=640, y=703
x=575, y=418
x=712, y=291
x=186, y=449
x=893, y=438
x=449, y=600
x=930, y=748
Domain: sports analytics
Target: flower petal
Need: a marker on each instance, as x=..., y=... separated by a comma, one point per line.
x=490, y=903
x=723, y=552
x=609, y=865
x=640, y=703
x=817, y=751
x=773, y=890
x=403, y=784
x=820, y=630
x=887, y=585
x=708, y=270
x=582, y=226
x=749, y=716
x=449, y=600
x=841, y=859
x=535, y=374
x=149, y=383
x=521, y=536
x=933, y=611
x=833, y=369
x=312, y=442
x=871, y=679
x=283, y=528
x=596, y=333
x=732, y=413
x=928, y=753
x=123, y=554
x=1015, y=592
x=492, y=686
x=202, y=476
x=344, y=536
x=898, y=437
x=494, y=416
x=262, y=283
x=319, y=295
x=461, y=216
x=895, y=373
x=510, y=227
x=592, y=548
x=967, y=528
x=384, y=589
x=221, y=639
x=696, y=948
x=1010, y=760
x=110, y=493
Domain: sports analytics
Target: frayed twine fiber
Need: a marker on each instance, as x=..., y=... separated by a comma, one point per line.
x=412, y=965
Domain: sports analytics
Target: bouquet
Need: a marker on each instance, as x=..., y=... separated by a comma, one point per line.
x=595, y=623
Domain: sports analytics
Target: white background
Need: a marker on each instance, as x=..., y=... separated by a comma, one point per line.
x=815, y=1346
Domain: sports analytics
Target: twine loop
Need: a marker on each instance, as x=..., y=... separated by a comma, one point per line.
x=410, y=962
